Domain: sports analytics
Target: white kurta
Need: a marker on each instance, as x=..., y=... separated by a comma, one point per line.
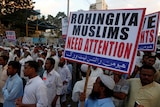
x=54, y=86
x=65, y=75
x=79, y=88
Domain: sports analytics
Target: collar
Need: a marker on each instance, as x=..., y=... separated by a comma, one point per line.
x=14, y=76
x=30, y=80
x=104, y=100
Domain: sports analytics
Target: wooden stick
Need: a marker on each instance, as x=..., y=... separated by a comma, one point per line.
x=85, y=86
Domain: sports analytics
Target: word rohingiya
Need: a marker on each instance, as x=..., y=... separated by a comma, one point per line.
x=103, y=25
x=101, y=33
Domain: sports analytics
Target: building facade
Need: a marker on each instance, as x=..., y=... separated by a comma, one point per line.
x=99, y=5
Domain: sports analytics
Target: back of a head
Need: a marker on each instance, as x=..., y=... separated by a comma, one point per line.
x=84, y=68
x=33, y=64
x=15, y=65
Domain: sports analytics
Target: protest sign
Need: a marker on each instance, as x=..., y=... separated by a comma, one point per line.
x=107, y=39
x=64, y=27
x=11, y=35
x=149, y=34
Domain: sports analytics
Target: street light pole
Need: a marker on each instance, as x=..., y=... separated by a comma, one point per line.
x=67, y=8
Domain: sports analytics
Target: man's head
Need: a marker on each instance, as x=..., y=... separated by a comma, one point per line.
x=3, y=60
x=40, y=61
x=49, y=64
x=151, y=60
x=61, y=62
x=60, y=52
x=13, y=68
x=53, y=52
x=84, y=68
x=30, y=69
x=144, y=59
x=147, y=74
x=103, y=87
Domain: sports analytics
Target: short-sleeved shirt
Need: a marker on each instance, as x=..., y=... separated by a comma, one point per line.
x=35, y=92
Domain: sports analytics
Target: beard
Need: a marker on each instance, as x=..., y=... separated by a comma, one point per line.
x=94, y=95
x=61, y=64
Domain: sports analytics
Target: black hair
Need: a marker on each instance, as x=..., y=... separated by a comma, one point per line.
x=145, y=66
x=154, y=57
x=15, y=65
x=52, y=61
x=33, y=64
x=44, y=54
x=5, y=57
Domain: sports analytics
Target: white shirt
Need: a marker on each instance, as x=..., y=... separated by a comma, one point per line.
x=54, y=86
x=79, y=88
x=35, y=92
x=65, y=75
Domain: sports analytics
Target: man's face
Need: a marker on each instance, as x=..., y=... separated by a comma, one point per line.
x=2, y=61
x=61, y=62
x=146, y=76
x=96, y=85
x=150, y=61
x=48, y=65
x=10, y=70
x=96, y=89
x=27, y=70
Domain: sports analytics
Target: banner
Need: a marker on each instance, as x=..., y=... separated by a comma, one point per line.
x=64, y=27
x=149, y=34
x=11, y=35
x=107, y=39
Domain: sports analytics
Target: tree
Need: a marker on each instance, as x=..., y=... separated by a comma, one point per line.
x=11, y=6
x=14, y=13
x=57, y=22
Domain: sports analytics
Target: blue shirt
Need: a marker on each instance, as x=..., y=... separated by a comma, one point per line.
x=105, y=102
x=12, y=90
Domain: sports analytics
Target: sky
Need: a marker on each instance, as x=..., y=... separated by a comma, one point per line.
x=52, y=7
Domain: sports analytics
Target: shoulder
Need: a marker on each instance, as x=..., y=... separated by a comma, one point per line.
x=156, y=84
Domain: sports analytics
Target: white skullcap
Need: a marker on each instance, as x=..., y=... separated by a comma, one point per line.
x=25, y=47
x=12, y=45
x=60, y=49
x=28, y=51
x=107, y=81
x=1, y=47
x=84, y=68
x=40, y=59
x=16, y=48
x=153, y=53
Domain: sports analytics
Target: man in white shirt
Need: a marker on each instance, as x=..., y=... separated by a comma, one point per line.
x=79, y=85
x=35, y=91
x=66, y=76
x=53, y=82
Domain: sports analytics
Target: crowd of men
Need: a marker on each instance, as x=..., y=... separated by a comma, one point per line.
x=39, y=76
